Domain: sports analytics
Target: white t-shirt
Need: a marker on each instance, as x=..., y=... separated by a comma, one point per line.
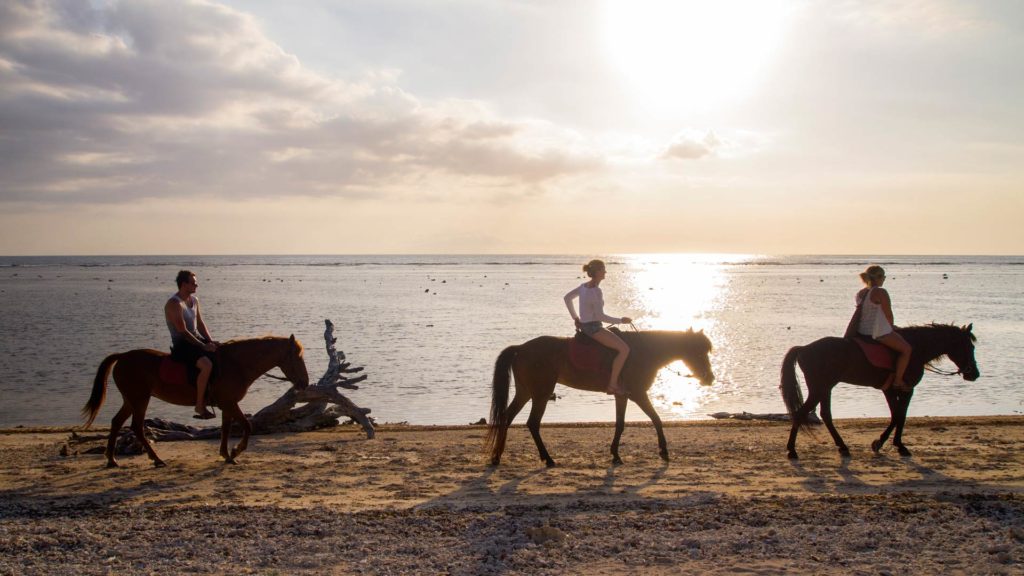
x=591, y=304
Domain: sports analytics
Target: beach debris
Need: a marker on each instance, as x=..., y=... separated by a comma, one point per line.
x=545, y=534
x=812, y=418
x=480, y=422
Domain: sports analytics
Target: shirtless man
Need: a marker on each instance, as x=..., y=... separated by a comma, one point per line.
x=191, y=343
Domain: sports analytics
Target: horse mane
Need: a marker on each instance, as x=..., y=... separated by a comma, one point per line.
x=266, y=339
x=693, y=341
x=936, y=327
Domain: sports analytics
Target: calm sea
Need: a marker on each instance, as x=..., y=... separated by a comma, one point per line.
x=428, y=328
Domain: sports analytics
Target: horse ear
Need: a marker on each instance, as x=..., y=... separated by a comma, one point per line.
x=292, y=338
x=969, y=327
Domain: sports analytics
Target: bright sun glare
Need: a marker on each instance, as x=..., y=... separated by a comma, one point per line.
x=693, y=53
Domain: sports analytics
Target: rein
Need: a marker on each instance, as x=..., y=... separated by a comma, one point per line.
x=935, y=370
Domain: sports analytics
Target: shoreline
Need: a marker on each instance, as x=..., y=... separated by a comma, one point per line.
x=421, y=499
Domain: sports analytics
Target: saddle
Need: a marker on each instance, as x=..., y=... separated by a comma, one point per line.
x=588, y=355
x=878, y=355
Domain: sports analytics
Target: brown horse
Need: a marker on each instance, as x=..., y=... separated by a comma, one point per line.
x=240, y=363
x=829, y=361
x=540, y=363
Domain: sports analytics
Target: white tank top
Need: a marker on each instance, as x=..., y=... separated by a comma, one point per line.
x=189, y=315
x=872, y=319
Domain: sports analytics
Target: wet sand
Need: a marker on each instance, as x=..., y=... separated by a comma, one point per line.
x=421, y=500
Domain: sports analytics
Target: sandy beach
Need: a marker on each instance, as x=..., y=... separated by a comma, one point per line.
x=420, y=500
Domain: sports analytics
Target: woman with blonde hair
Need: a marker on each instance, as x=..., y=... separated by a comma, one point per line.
x=591, y=317
x=876, y=322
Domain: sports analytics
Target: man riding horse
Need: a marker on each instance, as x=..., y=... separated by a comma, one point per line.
x=191, y=343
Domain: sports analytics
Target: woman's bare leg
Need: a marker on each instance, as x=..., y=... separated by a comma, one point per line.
x=610, y=340
x=897, y=343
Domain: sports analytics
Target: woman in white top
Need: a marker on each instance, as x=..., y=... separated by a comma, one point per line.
x=589, y=320
x=876, y=321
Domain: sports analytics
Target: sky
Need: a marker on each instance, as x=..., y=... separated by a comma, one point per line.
x=514, y=126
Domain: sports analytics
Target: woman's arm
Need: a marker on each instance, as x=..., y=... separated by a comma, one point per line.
x=569, y=296
x=881, y=297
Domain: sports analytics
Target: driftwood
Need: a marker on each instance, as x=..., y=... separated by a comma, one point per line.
x=322, y=406
x=812, y=418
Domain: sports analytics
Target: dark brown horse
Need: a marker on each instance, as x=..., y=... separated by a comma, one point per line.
x=829, y=361
x=540, y=363
x=240, y=363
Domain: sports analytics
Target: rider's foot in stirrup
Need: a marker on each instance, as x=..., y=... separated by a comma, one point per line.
x=205, y=414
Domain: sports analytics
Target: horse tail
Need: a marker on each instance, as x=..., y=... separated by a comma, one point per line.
x=99, y=389
x=791, y=393
x=499, y=398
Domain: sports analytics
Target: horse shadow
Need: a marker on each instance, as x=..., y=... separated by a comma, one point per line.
x=511, y=518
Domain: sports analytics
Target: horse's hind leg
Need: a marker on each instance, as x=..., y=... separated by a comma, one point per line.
x=826, y=417
x=800, y=418
x=533, y=423
x=903, y=404
x=139, y=428
x=115, y=427
x=236, y=415
x=644, y=403
x=510, y=413
x=890, y=399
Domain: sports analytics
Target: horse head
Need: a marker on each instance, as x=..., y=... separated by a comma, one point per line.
x=962, y=353
x=696, y=356
x=293, y=365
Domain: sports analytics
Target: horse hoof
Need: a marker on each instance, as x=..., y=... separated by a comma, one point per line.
x=664, y=456
x=158, y=464
x=844, y=452
x=550, y=463
x=616, y=461
x=903, y=450
x=112, y=464
x=792, y=455
x=495, y=461
x=876, y=446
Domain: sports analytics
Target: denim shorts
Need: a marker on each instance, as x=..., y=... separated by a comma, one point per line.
x=591, y=328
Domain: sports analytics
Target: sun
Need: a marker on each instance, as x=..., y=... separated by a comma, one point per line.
x=693, y=53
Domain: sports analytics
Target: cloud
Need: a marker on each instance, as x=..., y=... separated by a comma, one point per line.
x=154, y=99
x=689, y=146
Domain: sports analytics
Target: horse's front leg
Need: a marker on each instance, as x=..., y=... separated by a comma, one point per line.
x=620, y=424
x=644, y=402
x=901, y=420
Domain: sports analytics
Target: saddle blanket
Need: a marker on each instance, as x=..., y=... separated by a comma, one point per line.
x=877, y=354
x=588, y=356
x=174, y=373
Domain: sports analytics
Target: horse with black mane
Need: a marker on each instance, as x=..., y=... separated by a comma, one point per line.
x=540, y=363
x=241, y=362
x=829, y=361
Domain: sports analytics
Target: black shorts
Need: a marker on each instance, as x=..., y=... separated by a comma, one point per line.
x=188, y=353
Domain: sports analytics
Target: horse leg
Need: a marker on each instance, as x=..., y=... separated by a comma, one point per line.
x=533, y=423
x=901, y=421
x=620, y=424
x=644, y=403
x=890, y=399
x=139, y=428
x=510, y=413
x=800, y=418
x=826, y=417
x=246, y=429
x=115, y=427
x=226, y=418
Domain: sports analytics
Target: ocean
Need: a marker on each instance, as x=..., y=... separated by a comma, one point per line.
x=427, y=329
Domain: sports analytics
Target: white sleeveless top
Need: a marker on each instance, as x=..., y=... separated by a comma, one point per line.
x=189, y=314
x=872, y=319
